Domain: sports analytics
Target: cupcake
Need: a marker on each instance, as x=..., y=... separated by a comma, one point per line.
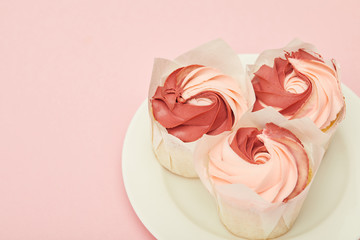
x=298, y=83
x=260, y=174
x=202, y=92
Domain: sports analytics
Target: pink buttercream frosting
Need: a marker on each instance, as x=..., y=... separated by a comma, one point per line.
x=300, y=85
x=197, y=100
x=272, y=162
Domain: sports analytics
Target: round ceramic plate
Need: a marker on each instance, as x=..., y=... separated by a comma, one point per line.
x=176, y=208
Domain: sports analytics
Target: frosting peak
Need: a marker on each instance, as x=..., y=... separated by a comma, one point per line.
x=272, y=162
x=248, y=146
x=197, y=100
x=300, y=85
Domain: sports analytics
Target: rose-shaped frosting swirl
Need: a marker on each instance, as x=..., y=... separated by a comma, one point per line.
x=197, y=100
x=272, y=162
x=300, y=85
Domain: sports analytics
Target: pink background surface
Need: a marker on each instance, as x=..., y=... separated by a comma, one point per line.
x=73, y=73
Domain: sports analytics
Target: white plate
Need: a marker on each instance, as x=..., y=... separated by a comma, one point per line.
x=176, y=208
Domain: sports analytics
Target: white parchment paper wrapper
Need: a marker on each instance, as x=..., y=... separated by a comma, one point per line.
x=172, y=153
x=243, y=211
x=267, y=58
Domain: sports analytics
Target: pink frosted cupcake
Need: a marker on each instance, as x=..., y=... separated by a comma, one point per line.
x=202, y=92
x=298, y=82
x=261, y=173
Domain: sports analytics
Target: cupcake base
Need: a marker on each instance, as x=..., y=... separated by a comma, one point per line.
x=177, y=160
x=173, y=154
x=248, y=223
